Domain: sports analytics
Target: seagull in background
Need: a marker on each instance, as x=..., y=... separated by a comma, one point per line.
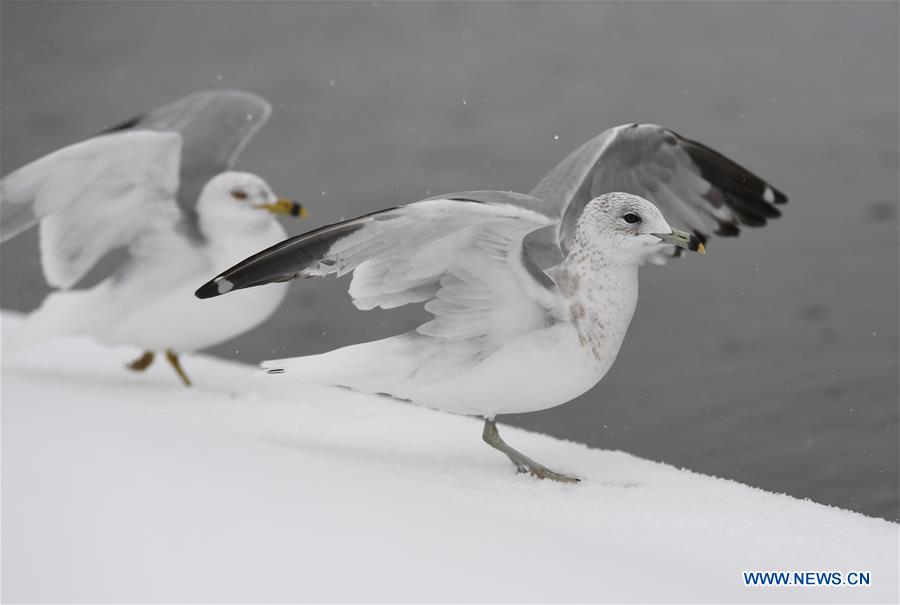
x=154, y=206
x=531, y=295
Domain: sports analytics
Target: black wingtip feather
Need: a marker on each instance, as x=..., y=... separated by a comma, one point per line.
x=286, y=260
x=728, y=230
x=210, y=289
x=751, y=198
x=207, y=290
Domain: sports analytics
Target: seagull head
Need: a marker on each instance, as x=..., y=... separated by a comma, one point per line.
x=632, y=225
x=241, y=197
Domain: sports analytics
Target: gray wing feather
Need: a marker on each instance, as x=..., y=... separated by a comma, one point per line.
x=540, y=249
x=688, y=181
x=215, y=125
x=501, y=198
x=461, y=257
x=309, y=254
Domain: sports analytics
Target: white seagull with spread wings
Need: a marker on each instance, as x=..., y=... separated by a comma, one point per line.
x=531, y=294
x=153, y=205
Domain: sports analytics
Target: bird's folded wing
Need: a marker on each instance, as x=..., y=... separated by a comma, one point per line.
x=92, y=197
x=214, y=125
x=463, y=257
x=694, y=186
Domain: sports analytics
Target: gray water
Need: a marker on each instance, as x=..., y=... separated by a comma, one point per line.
x=772, y=360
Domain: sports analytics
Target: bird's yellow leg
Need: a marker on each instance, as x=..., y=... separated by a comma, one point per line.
x=172, y=357
x=141, y=363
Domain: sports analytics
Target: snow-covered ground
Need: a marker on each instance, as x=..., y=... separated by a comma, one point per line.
x=123, y=487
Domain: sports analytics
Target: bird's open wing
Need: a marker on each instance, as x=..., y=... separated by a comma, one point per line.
x=92, y=197
x=693, y=185
x=462, y=258
x=214, y=125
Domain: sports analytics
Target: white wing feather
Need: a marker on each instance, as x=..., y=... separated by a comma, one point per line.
x=464, y=258
x=93, y=197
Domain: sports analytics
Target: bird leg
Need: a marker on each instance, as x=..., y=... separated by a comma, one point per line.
x=141, y=363
x=172, y=357
x=523, y=463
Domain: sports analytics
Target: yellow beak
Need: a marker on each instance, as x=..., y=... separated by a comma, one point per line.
x=682, y=240
x=285, y=206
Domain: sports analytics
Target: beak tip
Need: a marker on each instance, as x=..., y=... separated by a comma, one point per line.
x=286, y=206
x=682, y=239
x=696, y=244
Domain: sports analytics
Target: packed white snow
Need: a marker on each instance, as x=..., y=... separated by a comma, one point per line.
x=121, y=487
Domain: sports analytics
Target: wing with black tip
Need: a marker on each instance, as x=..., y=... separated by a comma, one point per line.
x=461, y=256
x=694, y=186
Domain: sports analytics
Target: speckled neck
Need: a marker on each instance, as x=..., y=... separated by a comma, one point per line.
x=602, y=295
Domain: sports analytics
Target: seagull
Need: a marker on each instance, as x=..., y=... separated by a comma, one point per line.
x=149, y=208
x=531, y=295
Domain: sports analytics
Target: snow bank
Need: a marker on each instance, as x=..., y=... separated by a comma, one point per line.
x=123, y=487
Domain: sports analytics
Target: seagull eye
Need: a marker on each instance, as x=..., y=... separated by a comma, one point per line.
x=632, y=218
x=239, y=194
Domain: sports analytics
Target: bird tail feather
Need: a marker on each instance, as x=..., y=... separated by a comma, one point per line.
x=371, y=367
x=61, y=314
